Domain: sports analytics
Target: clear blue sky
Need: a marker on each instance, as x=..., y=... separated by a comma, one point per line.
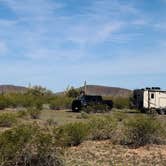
x=56, y=43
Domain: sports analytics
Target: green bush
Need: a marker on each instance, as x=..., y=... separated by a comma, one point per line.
x=60, y=102
x=39, y=105
x=102, y=128
x=34, y=97
x=22, y=113
x=54, y=106
x=72, y=92
x=51, y=122
x=119, y=116
x=121, y=102
x=28, y=145
x=3, y=103
x=31, y=98
x=142, y=130
x=72, y=134
x=7, y=120
x=34, y=113
x=84, y=115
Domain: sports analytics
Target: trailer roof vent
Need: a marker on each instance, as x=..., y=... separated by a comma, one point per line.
x=147, y=88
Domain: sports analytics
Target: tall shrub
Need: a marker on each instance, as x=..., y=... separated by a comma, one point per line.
x=142, y=130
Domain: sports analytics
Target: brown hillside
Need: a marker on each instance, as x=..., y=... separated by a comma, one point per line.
x=12, y=89
x=104, y=91
x=107, y=91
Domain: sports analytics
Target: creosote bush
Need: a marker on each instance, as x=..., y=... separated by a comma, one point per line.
x=51, y=122
x=28, y=145
x=102, y=128
x=3, y=102
x=84, y=115
x=119, y=116
x=142, y=130
x=7, y=120
x=71, y=134
x=60, y=102
x=34, y=113
x=22, y=113
x=121, y=102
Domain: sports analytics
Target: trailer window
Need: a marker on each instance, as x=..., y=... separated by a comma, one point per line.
x=152, y=96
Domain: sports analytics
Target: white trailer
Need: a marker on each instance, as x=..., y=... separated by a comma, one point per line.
x=150, y=99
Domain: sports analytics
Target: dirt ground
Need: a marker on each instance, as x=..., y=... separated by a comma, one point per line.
x=104, y=153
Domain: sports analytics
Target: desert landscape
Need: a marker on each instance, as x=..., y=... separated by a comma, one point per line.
x=120, y=136
x=82, y=83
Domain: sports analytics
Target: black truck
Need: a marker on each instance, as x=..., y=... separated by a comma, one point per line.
x=85, y=100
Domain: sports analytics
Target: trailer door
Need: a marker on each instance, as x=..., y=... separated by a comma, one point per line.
x=152, y=103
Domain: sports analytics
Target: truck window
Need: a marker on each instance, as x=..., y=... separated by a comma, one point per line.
x=152, y=96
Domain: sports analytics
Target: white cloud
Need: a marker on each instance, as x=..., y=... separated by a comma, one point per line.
x=31, y=8
x=92, y=34
x=38, y=23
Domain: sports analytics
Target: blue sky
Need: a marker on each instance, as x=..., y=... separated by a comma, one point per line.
x=56, y=43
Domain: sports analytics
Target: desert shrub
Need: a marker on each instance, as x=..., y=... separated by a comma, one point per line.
x=29, y=146
x=121, y=102
x=7, y=120
x=119, y=116
x=84, y=115
x=54, y=106
x=22, y=113
x=47, y=152
x=34, y=113
x=3, y=103
x=13, y=141
x=102, y=128
x=34, y=97
x=51, y=122
x=60, y=102
x=72, y=134
x=142, y=130
x=96, y=108
x=72, y=92
x=39, y=105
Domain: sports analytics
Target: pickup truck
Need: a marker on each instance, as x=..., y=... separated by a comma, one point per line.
x=85, y=100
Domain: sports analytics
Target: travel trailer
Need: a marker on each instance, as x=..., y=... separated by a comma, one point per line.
x=150, y=99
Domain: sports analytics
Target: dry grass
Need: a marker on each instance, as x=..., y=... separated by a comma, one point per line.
x=104, y=153
x=61, y=117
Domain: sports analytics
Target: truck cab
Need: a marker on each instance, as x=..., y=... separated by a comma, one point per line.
x=85, y=100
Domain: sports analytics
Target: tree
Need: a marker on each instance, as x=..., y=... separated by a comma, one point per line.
x=72, y=92
x=39, y=91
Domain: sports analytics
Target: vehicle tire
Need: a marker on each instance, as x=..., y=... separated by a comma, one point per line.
x=143, y=111
x=76, y=106
x=161, y=112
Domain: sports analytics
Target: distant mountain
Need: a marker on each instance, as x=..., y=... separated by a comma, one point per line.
x=104, y=91
x=90, y=89
x=107, y=91
x=12, y=89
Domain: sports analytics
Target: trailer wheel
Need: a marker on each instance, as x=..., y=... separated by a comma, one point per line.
x=161, y=112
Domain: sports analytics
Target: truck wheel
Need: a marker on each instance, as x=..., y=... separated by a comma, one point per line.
x=76, y=106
